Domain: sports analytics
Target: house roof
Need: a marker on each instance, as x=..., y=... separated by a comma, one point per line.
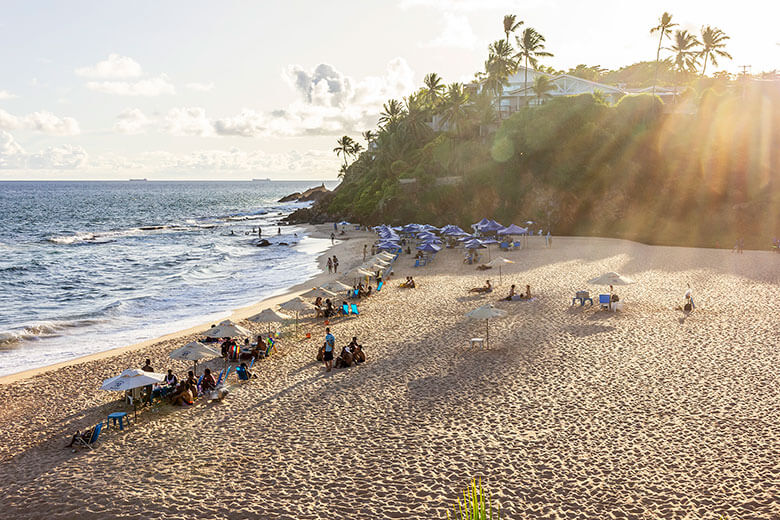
x=557, y=80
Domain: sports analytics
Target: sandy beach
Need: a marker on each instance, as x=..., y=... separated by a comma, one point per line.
x=572, y=412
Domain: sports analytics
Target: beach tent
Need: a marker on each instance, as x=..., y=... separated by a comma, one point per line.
x=474, y=244
x=411, y=228
x=194, y=351
x=490, y=226
x=131, y=378
x=269, y=316
x=344, y=223
x=499, y=262
x=428, y=227
x=512, y=229
x=452, y=230
x=611, y=278
x=480, y=224
x=485, y=313
x=227, y=329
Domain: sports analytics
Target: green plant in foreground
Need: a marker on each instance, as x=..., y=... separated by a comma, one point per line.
x=474, y=506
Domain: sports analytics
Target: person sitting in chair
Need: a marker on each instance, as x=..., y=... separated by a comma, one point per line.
x=208, y=383
x=82, y=436
x=244, y=368
x=486, y=289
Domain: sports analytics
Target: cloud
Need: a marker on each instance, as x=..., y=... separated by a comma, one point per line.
x=200, y=87
x=236, y=160
x=113, y=67
x=4, y=94
x=64, y=157
x=188, y=121
x=473, y=5
x=43, y=122
x=132, y=121
x=146, y=87
x=329, y=103
x=456, y=33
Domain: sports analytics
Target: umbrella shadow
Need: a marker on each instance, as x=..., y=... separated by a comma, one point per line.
x=583, y=331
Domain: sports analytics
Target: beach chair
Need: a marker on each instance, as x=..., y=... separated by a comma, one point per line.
x=81, y=443
x=219, y=379
x=582, y=297
x=504, y=246
x=604, y=301
x=345, y=309
x=379, y=286
x=241, y=373
x=252, y=363
x=354, y=309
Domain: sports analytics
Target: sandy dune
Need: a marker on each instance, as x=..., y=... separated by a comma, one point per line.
x=573, y=413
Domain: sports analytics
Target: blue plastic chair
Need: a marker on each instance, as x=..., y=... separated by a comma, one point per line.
x=604, y=300
x=345, y=309
x=354, y=309
x=92, y=439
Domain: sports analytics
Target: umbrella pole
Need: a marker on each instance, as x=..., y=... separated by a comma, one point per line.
x=487, y=334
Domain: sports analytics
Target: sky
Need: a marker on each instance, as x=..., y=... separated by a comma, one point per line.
x=197, y=90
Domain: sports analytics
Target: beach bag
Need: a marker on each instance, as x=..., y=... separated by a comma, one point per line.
x=688, y=307
x=320, y=353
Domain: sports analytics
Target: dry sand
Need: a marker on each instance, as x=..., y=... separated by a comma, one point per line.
x=573, y=413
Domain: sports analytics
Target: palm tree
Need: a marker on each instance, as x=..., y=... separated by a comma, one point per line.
x=499, y=66
x=685, y=57
x=391, y=111
x=345, y=147
x=369, y=136
x=713, y=45
x=342, y=171
x=542, y=87
x=434, y=88
x=511, y=24
x=531, y=47
x=456, y=112
x=664, y=29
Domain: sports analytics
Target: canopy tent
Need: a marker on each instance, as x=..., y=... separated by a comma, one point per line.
x=473, y=244
x=512, y=229
x=480, y=223
x=490, y=226
x=428, y=227
x=227, y=329
x=452, y=230
x=411, y=228
x=485, y=313
x=344, y=223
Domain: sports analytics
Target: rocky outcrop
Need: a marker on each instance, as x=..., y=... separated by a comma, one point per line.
x=312, y=194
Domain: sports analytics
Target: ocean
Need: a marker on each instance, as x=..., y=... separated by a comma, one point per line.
x=90, y=266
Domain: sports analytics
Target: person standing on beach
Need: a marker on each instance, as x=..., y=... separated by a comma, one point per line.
x=259, y=233
x=332, y=239
x=365, y=251
x=278, y=230
x=335, y=264
x=329, y=346
x=148, y=388
x=330, y=265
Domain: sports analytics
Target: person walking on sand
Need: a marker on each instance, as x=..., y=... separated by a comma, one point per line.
x=330, y=265
x=365, y=251
x=328, y=347
x=335, y=264
x=332, y=239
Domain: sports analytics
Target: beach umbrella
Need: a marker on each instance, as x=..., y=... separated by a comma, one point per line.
x=611, y=278
x=269, y=316
x=227, y=329
x=317, y=292
x=485, y=313
x=490, y=226
x=428, y=227
x=194, y=351
x=452, y=230
x=480, y=223
x=429, y=247
x=499, y=262
x=473, y=244
x=385, y=255
x=336, y=287
x=388, y=246
x=344, y=223
x=131, y=378
x=297, y=305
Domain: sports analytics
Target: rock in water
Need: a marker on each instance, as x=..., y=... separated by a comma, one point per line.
x=262, y=243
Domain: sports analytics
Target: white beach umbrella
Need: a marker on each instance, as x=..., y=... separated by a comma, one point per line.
x=318, y=292
x=227, y=329
x=611, y=278
x=485, y=313
x=336, y=287
x=131, y=378
x=269, y=316
x=194, y=351
x=499, y=262
x=387, y=256
x=359, y=272
x=297, y=305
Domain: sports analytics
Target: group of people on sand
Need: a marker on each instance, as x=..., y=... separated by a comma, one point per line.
x=333, y=264
x=408, y=284
x=351, y=354
x=512, y=296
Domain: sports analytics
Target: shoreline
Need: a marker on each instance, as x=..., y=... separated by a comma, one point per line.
x=235, y=314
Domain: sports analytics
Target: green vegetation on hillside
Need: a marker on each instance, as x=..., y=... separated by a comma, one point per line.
x=700, y=174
